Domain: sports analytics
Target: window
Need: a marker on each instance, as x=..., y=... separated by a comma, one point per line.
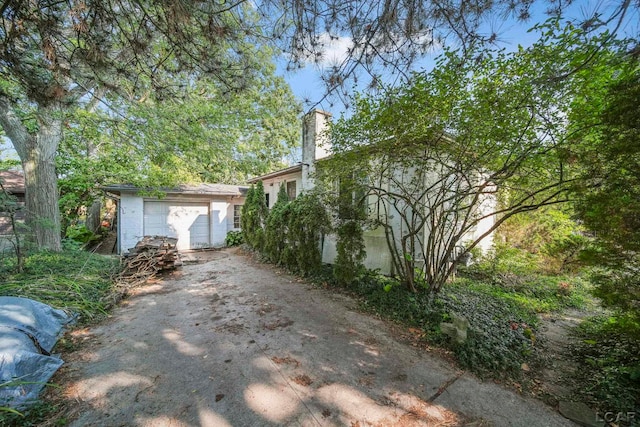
x=237, y=212
x=266, y=198
x=291, y=190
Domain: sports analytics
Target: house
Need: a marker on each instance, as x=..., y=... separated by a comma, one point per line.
x=199, y=216
x=13, y=183
x=300, y=178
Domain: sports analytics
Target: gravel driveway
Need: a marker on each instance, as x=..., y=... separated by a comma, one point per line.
x=231, y=342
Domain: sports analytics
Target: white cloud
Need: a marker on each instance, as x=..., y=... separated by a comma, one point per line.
x=331, y=50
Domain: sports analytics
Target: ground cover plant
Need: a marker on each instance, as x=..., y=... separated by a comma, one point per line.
x=607, y=348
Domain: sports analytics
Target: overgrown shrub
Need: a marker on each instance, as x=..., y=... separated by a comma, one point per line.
x=307, y=222
x=350, y=250
x=547, y=239
x=513, y=274
x=254, y=216
x=80, y=233
x=276, y=229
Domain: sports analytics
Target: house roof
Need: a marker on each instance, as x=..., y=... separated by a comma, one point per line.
x=200, y=189
x=12, y=181
x=285, y=171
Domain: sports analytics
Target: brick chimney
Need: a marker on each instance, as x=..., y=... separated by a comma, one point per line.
x=315, y=144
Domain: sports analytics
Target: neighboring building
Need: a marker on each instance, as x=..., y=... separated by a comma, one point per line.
x=13, y=183
x=199, y=216
x=300, y=178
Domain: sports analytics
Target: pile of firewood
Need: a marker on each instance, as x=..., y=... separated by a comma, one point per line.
x=151, y=255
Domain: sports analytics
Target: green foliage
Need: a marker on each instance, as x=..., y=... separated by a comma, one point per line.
x=350, y=251
x=72, y=280
x=546, y=240
x=619, y=288
x=501, y=335
x=351, y=210
x=517, y=275
x=40, y=413
x=254, y=217
x=234, y=238
x=276, y=229
x=80, y=233
x=306, y=223
x=608, y=363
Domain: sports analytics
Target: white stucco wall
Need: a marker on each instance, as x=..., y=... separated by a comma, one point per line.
x=377, y=257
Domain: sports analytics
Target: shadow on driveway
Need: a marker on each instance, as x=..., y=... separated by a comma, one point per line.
x=229, y=342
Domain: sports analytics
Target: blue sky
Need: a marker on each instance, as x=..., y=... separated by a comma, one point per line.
x=307, y=84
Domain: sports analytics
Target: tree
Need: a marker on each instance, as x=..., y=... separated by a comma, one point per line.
x=385, y=40
x=608, y=197
x=55, y=55
x=203, y=135
x=482, y=136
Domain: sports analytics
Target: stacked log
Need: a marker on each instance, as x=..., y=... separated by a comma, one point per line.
x=151, y=255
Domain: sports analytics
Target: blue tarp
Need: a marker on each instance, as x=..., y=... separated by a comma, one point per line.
x=28, y=332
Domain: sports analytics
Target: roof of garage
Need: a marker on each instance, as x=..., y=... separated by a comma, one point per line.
x=200, y=189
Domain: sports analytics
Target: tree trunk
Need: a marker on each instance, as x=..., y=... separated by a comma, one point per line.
x=41, y=189
x=93, y=216
x=37, y=153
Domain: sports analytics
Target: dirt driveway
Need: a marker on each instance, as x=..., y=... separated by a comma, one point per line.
x=233, y=342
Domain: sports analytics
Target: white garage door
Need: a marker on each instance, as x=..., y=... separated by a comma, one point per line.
x=189, y=222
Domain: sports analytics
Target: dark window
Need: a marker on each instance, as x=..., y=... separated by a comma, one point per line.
x=291, y=190
x=237, y=212
x=266, y=198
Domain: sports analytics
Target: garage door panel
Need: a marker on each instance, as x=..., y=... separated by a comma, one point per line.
x=188, y=222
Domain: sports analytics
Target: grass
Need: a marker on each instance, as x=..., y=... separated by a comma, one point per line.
x=72, y=280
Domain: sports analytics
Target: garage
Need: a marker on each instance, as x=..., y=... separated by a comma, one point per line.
x=188, y=222
x=199, y=216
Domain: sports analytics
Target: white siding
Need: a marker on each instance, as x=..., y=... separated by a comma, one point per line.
x=131, y=221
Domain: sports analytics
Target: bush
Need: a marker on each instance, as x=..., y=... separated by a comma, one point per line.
x=80, y=233
x=276, y=229
x=306, y=222
x=254, y=217
x=608, y=363
x=234, y=238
